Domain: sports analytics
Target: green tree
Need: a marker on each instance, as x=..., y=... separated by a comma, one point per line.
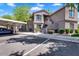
x=78, y=26
x=7, y=16
x=21, y=13
x=49, y=11
x=78, y=6
x=71, y=5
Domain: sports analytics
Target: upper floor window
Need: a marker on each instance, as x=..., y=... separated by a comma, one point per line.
x=38, y=17
x=71, y=13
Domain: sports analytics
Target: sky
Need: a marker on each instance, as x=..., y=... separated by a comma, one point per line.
x=7, y=8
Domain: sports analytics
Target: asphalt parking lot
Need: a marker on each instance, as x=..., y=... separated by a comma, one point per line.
x=17, y=45
x=25, y=45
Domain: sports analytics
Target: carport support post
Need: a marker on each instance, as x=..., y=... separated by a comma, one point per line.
x=15, y=29
x=8, y=27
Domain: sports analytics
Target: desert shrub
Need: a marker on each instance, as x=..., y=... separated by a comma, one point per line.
x=71, y=31
x=77, y=31
x=75, y=35
x=61, y=31
x=56, y=31
x=50, y=31
x=67, y=31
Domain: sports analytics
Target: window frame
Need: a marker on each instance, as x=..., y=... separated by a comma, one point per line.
x=71, y=13
x=38, y=17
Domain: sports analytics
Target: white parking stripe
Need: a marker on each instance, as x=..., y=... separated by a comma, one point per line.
x=35, y=47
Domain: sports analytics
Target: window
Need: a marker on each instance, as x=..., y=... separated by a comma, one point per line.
x=38, y=17
x=71, y=13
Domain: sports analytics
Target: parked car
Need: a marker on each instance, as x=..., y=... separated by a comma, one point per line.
x=5, y=31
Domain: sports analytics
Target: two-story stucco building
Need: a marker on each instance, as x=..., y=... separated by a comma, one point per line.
x=64, y=18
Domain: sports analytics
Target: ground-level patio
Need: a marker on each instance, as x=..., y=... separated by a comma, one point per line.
x=37, y=44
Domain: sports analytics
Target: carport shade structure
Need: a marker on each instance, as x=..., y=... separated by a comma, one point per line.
x=12, y=24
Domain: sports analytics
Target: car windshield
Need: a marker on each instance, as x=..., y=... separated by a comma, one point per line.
x=3, y=29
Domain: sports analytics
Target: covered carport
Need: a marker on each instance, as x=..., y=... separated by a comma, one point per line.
x=12, y=24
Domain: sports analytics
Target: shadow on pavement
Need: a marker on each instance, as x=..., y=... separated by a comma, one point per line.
x=58, y=48
x=17, y=53
x=62, y=48
x=3, y=35
x=27, y=40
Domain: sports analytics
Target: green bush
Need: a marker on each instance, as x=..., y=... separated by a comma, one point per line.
x=56, y=31
x=75, y=35
x=71, y=31
x=37, y=29
x=61, y=31
x=67, y=31
x=77, y=31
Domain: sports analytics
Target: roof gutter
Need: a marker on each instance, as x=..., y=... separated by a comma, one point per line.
x=13, y=21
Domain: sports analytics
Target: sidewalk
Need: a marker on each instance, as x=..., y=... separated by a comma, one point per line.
x=54, y=36
x=49, y=36
x=4, y=38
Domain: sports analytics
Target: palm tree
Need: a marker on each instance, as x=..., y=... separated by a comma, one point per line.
x=78, y=6
x=71, y=5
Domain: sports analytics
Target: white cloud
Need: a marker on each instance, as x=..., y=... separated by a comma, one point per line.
x=40, y=5
x=57, y=4
x=36, y=8
x=11, y=4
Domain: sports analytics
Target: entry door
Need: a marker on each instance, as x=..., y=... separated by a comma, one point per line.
x=72, y=25
x=39, y=27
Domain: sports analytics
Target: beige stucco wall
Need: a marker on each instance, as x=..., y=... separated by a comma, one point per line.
x=67, y=14
x=61, y=19
x=75, y=25
x=36, y=21
x=62, y=15
x=75, y=18
x=67, y=25
x=41, y=22
x=39, y=13
x=30, y=25
x=58, y=19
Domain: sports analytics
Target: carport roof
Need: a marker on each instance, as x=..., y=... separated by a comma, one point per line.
x=12, y=21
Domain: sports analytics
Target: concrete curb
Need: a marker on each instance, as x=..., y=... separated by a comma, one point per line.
x=57, y=37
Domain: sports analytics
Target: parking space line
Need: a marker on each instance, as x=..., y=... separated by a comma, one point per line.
x=35, y=47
